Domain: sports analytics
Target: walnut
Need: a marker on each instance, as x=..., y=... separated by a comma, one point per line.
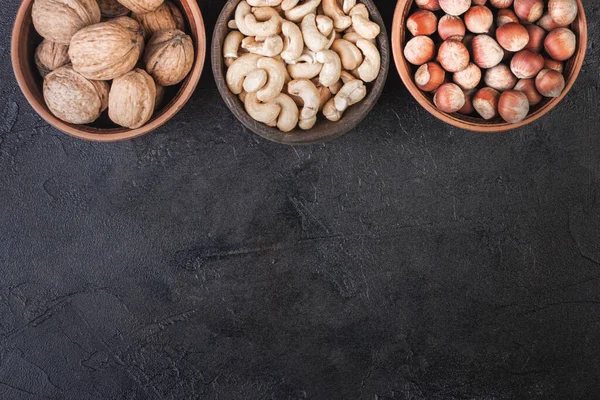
x=106, y=50
x=59, y=20
x=160, y=96
x=112, y=9
x=141, y=6
x=50, y=56
x=131, y=99
x=169, y=56
x=134, y=27
x=73, y=98
x=167, y=16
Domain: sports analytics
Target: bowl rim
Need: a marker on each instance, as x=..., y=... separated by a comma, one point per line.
x=105, y=135
x=320, y=134
x=471, y=123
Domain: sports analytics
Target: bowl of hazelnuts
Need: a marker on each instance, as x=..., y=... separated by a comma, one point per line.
x=489, y=65
x=108, y=70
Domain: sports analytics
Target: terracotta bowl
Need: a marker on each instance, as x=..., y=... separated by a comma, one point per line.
x=25, y=40
x=323, y=130
x=572, y=68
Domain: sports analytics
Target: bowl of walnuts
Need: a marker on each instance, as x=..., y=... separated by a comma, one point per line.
x=108, y=70
x=489, y=65
x=300, y=71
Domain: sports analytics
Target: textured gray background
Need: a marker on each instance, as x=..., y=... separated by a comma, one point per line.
x=406, y=260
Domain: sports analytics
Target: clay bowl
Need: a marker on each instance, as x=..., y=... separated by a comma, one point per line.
x=25, y=40
x=399, y=35
x=323, y=130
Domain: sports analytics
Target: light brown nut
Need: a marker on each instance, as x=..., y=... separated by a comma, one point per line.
x=166, y=16
x=132, y=99
x=50, y=56
x=141, y=6
x=169, y=56
x=59, y=20
x=73, y=98
x=112, y=9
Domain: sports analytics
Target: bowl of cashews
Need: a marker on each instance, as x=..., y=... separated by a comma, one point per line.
x=300, y=71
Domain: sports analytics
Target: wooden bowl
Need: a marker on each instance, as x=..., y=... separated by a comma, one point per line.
x=25, y=40
x=323, y=130
x=407, y=71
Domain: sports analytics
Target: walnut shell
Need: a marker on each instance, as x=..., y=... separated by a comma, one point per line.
x=141, y=6
x=160, y=96
x=106, y=50
x=134, y=27
x=166, y=16
x=112, y=9
x=59, y=20
x=50, y=56
x=73, y=98
x=169, y=56
x=131, y=99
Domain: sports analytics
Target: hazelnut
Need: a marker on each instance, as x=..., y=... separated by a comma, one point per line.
x=563, y=12
x=169, y=56
x=419, y=50
x=529, y=10
x=478, y=2
x=500, y=78
x=487, y=53
x=506, y=16
x=468, y=78
x=527, y=86
x=50, y=56
x=560, y=44
x=431, y=5
x=536, y=38
x=512, y=36
x=449, y=98
x=453, y=55
x=550, y=83
x=479, y=19
x=430, y=76
x=455, y=7
x=58, y=20
x=468, y=108
x=501, y=3
x=422, y=22
x=132, y=98
x=485, y=102
x=451, y=27
x=553, y=64
x=526, y=64
x=548, y=23
x=513, y=106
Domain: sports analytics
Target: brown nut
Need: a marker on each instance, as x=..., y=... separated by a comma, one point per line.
x=453, y=55
x=563, y=12
x=431, y=5
x=449, y=98
x=451, y=27
x=513, y=106
x=536, y=38
x=526, y=64
x=506, y=16
x=485, y=102
x=419, y=50
x=500, y=78
x=132, y=99
x=487, y=53
x=50, y=56
x=112, y=9
x=422, y=22
x=479, y=19
x=141, y=6
x=560, y=44
x=73, y=98
x=455, y=7
x=169, y=56
x=550, y=83
x=107, y=50
x=430, y=76
x=512, y=36
x=59, y=20
x=529, y=10
x=468, y=78
x=527, y=86
x=166, y=16
x=501, y=3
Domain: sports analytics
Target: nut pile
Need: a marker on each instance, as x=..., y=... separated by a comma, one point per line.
x=288, y=60
x=496, y=59
x=108, y=54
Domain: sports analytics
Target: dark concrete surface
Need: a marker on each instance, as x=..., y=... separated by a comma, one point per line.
x=406, y=260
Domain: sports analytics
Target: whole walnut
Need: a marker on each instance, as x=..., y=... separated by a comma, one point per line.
x=112, y=9
x=134, y=27
x=131, y=99
x=169, y=56
x=106, y=50
x=166, y=16
x=58, y=20
x=50, y=56
x=73, y=98
x=141, y=6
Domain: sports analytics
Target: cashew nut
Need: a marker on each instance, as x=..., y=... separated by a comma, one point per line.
x=264, y=3
x=324, y=24
x=348, y=5
x=313, y=39
x=289, y=115
x=330, y=112
x=307, y=123
x=332, y=67
x=335, y=88
x=369, y=69
x=270, y=47
x=255, y=80
x=263, y=21
x=241, y=11
x=324, y=96
x=231, y=46
x=297, y=13
x=293, y=41
x=309, y=94
x=276, y=78
x=305, y=67
x=232, y=25
x=350, y=55
x=347, y=97
x=353, y=37
x=238, y=70
x=332, y=9
x=261, y=112
x=287, y=5
x=361, y=24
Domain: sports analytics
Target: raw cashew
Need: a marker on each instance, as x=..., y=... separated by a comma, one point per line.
x=345, y=97
x=255, y=80
x=304, y=70
x=369, y=69
x=332, y=9
x=350, y=55
x=288, y=117
x=238, y=70
x=307, y=123
x=361, y=24
x=270, y=47
x=324, y=24
x=261, y=112
x=353, y=37
x=335, y=88
x=264, y=3
x=241, y=11
x=231, y=46
x=332, y=67
x=297, y=13
x=324, y=96
x=276, y=78
x=348, y=5
x=232, y=25
x=289, y=4
x=330, y=112
x=293, y=41
x=264, y=21
x=313, y=39
x=309, y=94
